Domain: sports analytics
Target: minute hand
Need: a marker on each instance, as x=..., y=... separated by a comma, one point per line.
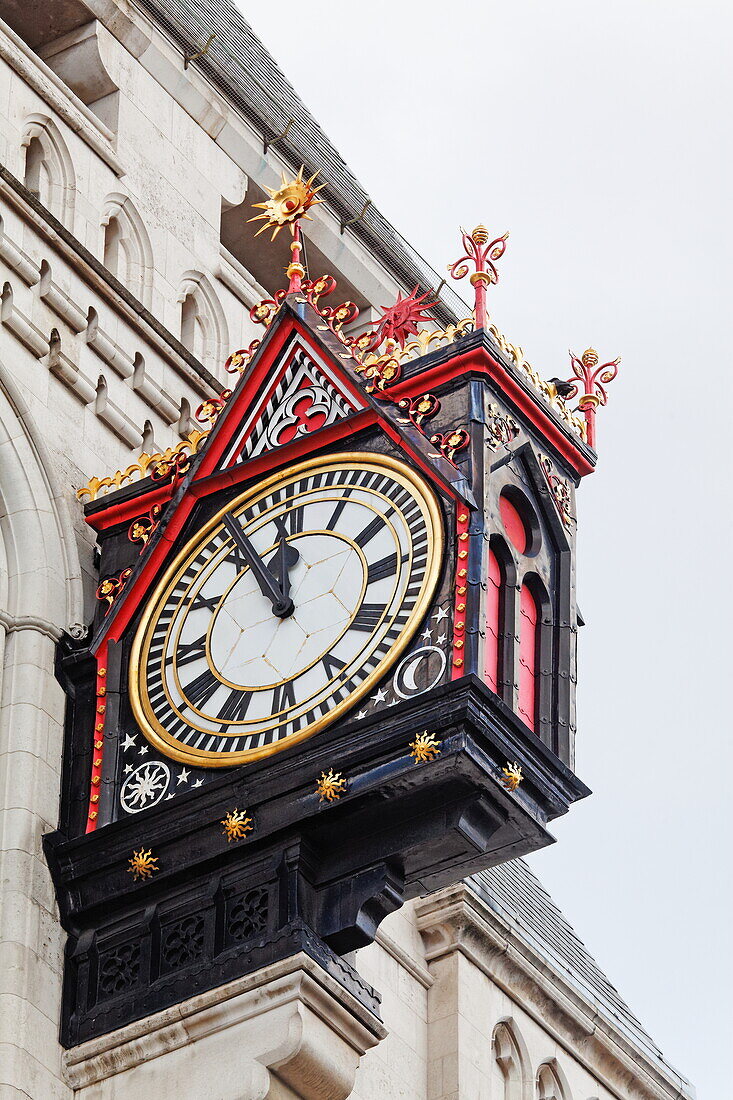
x=282, y=605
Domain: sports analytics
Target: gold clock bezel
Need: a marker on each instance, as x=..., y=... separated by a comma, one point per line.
x=152, y=729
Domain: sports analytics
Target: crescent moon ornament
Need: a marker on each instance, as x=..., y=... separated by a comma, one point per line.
x=404, y=683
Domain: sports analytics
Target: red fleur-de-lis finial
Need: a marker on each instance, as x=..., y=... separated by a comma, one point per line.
x=589, y=380
x=482, y=254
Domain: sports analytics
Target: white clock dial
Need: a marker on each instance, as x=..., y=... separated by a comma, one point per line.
x=285, y=609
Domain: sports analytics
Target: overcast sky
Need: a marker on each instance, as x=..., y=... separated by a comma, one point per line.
x=600, y=137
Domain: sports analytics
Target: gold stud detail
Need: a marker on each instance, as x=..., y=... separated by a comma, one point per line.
x=425, y=747
x=143, y=864
x=330, y=786
x=236, y=824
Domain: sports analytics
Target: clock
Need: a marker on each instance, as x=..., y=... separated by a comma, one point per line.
x=285, y=609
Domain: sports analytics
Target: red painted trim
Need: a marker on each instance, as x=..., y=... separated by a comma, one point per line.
x=463, y=519
x=128, y=510
x=528, y=631
x=493, y=613
x=479, y=361
x=95, y=780
x=286, y=455
x=251, y=388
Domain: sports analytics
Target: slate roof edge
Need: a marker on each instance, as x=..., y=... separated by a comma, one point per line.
x=278, y=104
x=529, y=934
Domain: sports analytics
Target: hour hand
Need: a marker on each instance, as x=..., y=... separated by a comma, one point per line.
x=282, y=605
x=287, y=557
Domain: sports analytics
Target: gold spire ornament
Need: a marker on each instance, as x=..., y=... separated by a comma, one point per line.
x=143, y=864
x=330, y=786
x=287, y=204
x=425, y=747
x=236, y=824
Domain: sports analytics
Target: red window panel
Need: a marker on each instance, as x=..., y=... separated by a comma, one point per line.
x=493, y=610
x=528, y=636
x=514, y=525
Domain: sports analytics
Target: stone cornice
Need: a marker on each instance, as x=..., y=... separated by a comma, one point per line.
x=77, y=116
x=291, y=1017
x=455, y=919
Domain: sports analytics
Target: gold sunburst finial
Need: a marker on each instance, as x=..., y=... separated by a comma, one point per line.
x=236, y=824
x=425, y=747
x=512, y=776
x=330, y=786
x=287, y=203
x=143, y=864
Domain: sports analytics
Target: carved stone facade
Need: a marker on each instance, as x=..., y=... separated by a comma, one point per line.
x=126, y=277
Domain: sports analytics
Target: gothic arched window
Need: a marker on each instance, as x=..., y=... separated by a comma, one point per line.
x=203, y=327
x=126, y=250
x=508, y=1072
x=549, y=1086
x=48, y=171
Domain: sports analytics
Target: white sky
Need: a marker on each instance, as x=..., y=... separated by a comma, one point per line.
x=601, y=138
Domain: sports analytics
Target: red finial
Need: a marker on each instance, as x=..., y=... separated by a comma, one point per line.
x=482, y=253
x=593, y=379
x=295, y=270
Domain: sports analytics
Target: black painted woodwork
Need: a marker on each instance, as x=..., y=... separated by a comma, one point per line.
x=310, y=871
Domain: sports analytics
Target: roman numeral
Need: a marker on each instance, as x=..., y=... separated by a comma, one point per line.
x=291, y=523
x=235, y=707
x=191, y=651
x=339, y=509
x=207, y=603
x=237, y=558
x=200, y=690
x=283, y=696
x=332, y=665
x=369, y=532
x=367, y=617
x=378, y=570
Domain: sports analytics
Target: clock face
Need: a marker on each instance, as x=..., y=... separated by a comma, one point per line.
x=285, y=609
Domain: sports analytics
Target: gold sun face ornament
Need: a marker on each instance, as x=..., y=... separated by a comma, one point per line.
x=236, y=825
x=330, y=786
x=287, y=204
x=143, y=864
x=511, y=776
x=425, y=747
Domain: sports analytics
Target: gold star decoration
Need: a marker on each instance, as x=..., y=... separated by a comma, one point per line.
x=143, y=864
x=426, y=746
x=512, y=776
x=237, y=824
x=330, y=786
x=287, y=204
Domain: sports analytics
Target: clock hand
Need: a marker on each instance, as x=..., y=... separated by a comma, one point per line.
x=282, y=605
x=287, y=557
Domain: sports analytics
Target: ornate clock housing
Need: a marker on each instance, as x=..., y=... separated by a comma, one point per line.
x=285, y=609
x=334, y=602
